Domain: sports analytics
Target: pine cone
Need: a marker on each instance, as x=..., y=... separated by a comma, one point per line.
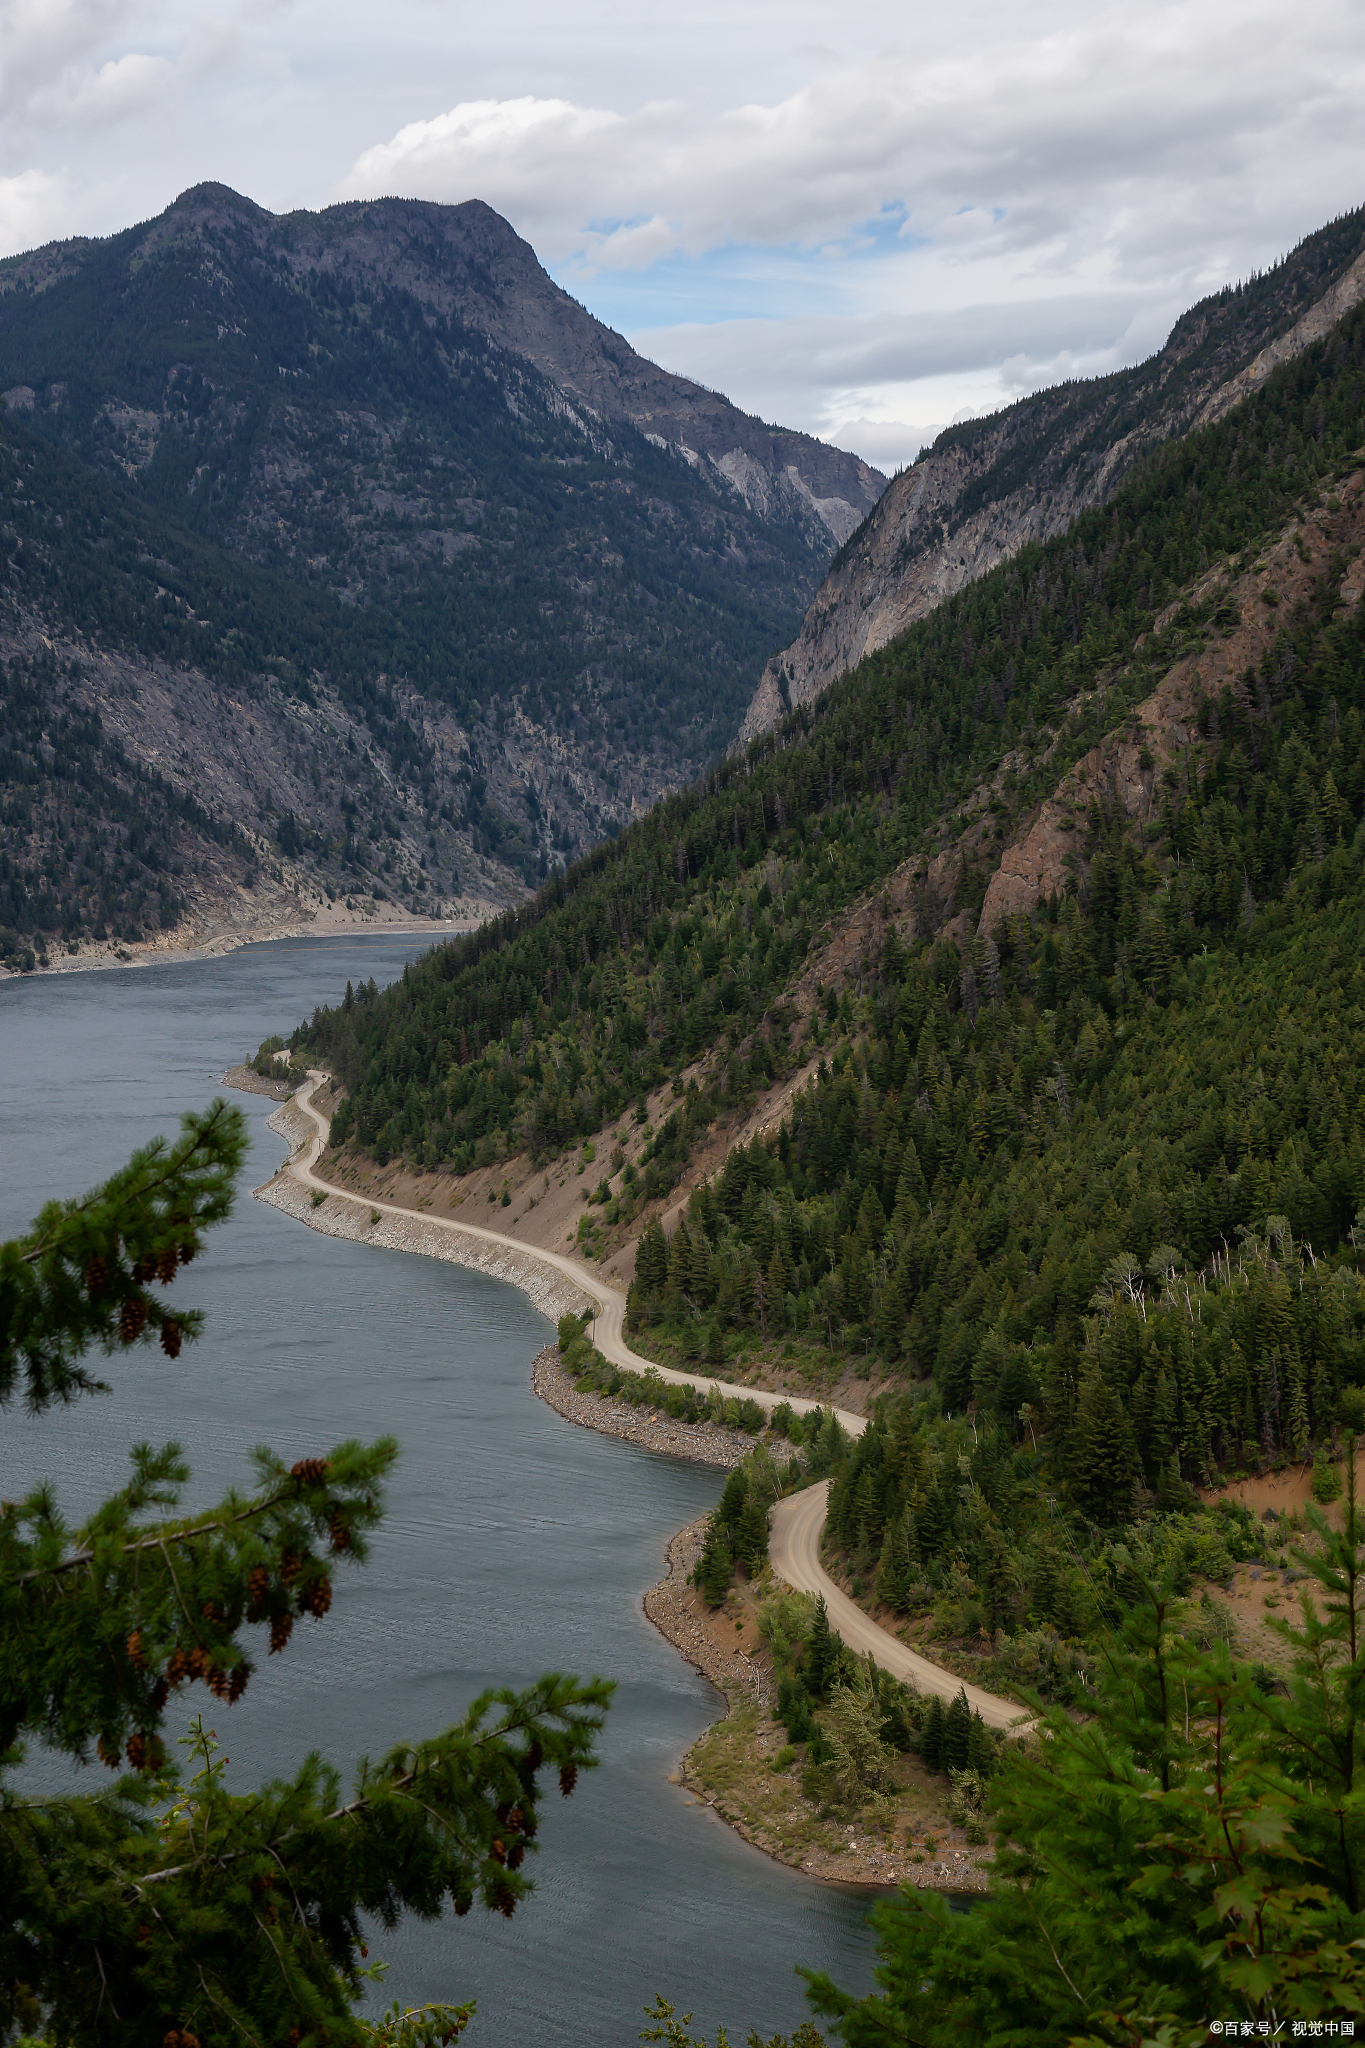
x=166, y=1263
x=338, y=1533
x=178, y=1668
x=96, y=1273
x=281, y=1628
x=309, y=1471
x=137, y=1751
x=217, y=1681
x=237, y=1684
x=211, y=1611
x=505, y=1899
x=160, y=1694
x=110, y=1758
x=291, y=1564
x=462, y=1901
x=197, y=1662
x=186, y=1254
x=132, y=1319
x=568, y=1778
x=137, y=1656
x=170, y=1337
x=257, y=1591
x=497, y=1850
x=516, y=1855
x=316, y=1599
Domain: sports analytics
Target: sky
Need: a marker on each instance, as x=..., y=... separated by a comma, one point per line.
x=865, y=221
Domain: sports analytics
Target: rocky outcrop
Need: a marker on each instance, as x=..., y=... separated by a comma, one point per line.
x=988, y=487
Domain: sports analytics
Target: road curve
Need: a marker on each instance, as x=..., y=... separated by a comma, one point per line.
x=797, y=1521
x=794, y=1547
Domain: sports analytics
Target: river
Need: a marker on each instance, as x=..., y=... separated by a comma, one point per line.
x=514, y=1543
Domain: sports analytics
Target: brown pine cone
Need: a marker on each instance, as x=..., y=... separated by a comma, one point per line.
x=110, y=1758
x=505, y=1899
x=497, y=1850
x=257, y=1591
x=137, y=1656
x=132, y=1319
x=217, y=1681
x=338, y=1533
x=316, y=1599
x=211, y=1611
x=197, y=1662
x=137, y=1751
x=281, y=1628
x=166, y=1263
x=171, y=1339
x=291, y=1564
x=96, y=1273
x=309, y=1471
x=186, y=1254
x=178, y=1669
x=516, y=1855
x=461, y=1901
x=568, y=1778
x=237, y=1684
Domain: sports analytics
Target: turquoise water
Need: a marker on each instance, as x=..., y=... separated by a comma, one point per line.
x=515, y=1543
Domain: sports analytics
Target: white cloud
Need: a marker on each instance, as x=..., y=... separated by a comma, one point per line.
x=1127, y=141
x=861, y=224
x=35, y=207
x=121, y=86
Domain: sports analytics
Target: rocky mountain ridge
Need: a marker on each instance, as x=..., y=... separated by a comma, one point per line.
x=408, y=575
x=989, y=487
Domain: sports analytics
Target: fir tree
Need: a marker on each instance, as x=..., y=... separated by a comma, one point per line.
x=167, y=1908
x=931, y=1736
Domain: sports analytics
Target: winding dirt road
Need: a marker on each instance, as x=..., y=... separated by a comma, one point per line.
x=794, y=1545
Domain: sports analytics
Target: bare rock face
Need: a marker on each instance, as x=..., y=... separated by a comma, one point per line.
x=988, y=487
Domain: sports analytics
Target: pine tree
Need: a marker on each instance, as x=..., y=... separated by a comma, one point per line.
x=931, y=1736
x=171, y=1909
x=821, y=1652
x=1103, y=1457
x=957, y=1734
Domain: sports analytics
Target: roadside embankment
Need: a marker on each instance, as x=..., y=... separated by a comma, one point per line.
x=340, y=1215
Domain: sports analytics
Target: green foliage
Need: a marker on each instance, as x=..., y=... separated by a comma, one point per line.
x=81, y=1277
x=1192, y=1848
x=673, y=2031
x=166, y=1907
x=737, y=1533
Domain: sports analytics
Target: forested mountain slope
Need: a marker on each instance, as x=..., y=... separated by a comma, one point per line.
x=989, y=486
x=1051, y=1171
x=490, y=581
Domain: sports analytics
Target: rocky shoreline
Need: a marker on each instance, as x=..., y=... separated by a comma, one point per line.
x=705, y=1443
